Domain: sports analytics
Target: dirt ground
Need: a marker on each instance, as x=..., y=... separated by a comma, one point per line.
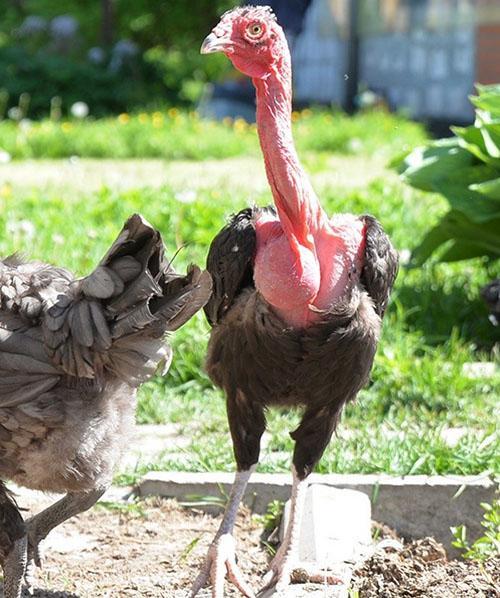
x=155, y=547
x=151, y=548
x=422, y=570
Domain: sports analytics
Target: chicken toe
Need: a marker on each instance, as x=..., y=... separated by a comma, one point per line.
x=219, y=564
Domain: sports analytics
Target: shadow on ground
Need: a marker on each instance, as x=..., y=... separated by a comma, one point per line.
x=440, y=310
x=40, y=593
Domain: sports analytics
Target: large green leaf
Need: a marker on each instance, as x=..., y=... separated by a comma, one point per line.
x=491, y=136
x=457, y=227
x=463, y=250
x=432, y=240
x=489, y=188
x=488, y=99
x=466, y=171
x=426, y=165
x=475, y=206
x=471, y=139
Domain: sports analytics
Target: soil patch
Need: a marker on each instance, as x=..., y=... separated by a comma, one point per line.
x=150, y=548
x=422, y=570
x=155, y=548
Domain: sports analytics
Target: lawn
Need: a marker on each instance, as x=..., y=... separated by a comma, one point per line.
x=69, y=211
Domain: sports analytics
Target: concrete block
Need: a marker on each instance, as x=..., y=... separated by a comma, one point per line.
x=308, y=590
x=415, y=506
x=335, y=534
x=336, y=526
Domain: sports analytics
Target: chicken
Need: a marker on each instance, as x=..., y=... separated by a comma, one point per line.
x=72, y=354
x=298, y=300
x=490, y=294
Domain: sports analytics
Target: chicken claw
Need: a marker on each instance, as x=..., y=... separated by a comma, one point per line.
x=221, y=561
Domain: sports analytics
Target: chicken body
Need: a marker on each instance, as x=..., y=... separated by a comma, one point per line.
x=297, y=304
x=72, y=354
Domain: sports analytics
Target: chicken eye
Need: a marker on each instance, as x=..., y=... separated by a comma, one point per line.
x=255, y=30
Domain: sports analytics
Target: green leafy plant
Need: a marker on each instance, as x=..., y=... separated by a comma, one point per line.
x=272, y=517
x=488, y=545
x=466, y=171
x=271, y=521
x=126, y=508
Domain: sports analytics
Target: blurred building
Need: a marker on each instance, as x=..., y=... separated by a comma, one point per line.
x=422, y=56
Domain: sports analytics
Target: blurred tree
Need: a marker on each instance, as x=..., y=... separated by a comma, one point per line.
x=18, y=6
x=166, y=68
x=108, y=23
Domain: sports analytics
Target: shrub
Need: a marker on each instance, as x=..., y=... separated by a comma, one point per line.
x=488, y=545
x=44, y=75
x=168, y=67
x=466, y=171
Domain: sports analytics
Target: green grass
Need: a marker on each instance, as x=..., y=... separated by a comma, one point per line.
x=175, y=135
x=435, y=323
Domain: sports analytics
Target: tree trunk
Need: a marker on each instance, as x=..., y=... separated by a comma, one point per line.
x=19, y=7
x=108, y=23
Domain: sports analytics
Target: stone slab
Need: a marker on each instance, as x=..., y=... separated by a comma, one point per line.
x=308, y=590
x=336, y=526
x=415, y=506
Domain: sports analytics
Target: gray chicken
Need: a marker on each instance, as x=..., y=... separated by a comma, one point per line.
x=72, y=354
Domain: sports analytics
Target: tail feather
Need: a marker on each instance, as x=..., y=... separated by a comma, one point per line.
x=115, y=318
x=182, y=297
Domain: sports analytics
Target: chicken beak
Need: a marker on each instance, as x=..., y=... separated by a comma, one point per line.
x=212, y=44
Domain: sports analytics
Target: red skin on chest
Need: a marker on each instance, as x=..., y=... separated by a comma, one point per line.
x=299, y=281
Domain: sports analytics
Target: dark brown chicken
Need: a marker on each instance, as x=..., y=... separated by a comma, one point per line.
x=72, y=354
x=298, y=300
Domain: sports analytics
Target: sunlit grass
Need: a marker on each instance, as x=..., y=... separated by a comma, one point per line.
x=175, y=134
x=435, y=324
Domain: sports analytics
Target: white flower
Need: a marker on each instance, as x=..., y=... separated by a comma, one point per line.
x=24, y=228
x=64, y=26
x=96, y=55
x=5, y=157
x=187, y=196
x=125, y=48
x=25, y=125
x=15, y=113
x=32, y=25
x=57, y=239
x=80, y=110
x=404, y=256
x=355, y=145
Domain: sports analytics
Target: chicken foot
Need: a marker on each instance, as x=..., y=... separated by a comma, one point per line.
x=221, y=558
x=286, y=559
x=40, y=525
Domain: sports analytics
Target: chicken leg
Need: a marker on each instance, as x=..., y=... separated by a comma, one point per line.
x=286, y=558
x=221, y=557
x=14, y=567
x=311, y=437
x=40, y=525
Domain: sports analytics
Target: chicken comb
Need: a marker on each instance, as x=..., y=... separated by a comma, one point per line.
x=257, y=12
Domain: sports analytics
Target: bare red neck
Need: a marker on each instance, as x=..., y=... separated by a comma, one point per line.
x=298, y=207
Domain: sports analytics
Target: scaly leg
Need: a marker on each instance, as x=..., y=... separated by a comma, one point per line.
x=312, y=437
x=14, y=567
x=286, y=559
x=221, y=554
x=247, y=423
x=39, y=526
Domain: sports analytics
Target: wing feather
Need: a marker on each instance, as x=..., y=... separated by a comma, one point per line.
x=230, y=263
x=380, y=266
